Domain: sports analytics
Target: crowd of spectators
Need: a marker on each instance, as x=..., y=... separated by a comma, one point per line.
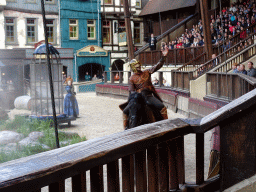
x=240, y=68
x=224, y=25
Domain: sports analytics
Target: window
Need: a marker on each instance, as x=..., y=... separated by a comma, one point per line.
x=49, y=1
x=108, y=2
x=10, y=30
x=73, y=29
x=31, y=31
x=106, y=32
x=121, y=26
x=50, y=30
x=30, y=1
x=136, y=33
x=91, y=29
x=138, y=3
x=121, y=2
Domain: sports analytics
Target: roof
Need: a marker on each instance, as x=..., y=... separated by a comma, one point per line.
x=156, y=6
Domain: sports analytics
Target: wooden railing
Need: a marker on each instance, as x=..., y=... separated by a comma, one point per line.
x=228, y=86
x=152, y=157
x=230, y=56
x=174, y=57
x=193, y=64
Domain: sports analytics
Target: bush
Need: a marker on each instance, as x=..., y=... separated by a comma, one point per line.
x=25, y=126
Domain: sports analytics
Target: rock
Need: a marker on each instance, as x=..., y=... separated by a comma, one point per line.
x=30, y=142
x=35, y=135
x=27, y=141
x=9, y=137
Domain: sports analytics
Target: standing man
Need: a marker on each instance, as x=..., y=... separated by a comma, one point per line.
x=152, y=42
x=87, y=77
x=252, y=71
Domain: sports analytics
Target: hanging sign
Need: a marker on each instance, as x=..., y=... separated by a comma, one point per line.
x=92, y=51
x=122, y=39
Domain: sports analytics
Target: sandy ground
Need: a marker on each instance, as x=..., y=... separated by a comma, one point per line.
x=100, y=116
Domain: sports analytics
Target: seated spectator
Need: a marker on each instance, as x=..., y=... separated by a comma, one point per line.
x=94, y=77
x=187, y=43
x=241, y=69
x=116, y=78
x=155, y=81
x=163, y=45
x=252, y=71
x=234, y=68
x=180, y=44
x=242, y=34
x=201, y=41
x=87, y=77
x=165, y=83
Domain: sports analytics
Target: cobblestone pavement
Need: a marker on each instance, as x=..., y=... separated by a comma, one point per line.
x=100, y=116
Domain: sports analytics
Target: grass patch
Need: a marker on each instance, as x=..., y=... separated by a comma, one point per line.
x=26, y=126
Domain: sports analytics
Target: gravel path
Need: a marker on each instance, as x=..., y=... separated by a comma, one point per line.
x=100, y=116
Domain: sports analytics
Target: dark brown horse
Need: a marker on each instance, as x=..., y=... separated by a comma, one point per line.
x=139, y=112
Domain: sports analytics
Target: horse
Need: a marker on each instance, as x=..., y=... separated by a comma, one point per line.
x=139, y=112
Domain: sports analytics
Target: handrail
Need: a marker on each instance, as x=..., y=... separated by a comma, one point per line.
x=166, y=33
x=228, y=86
x=184, y=67
x=175, y=56
x=221, y=58
x=36, y=171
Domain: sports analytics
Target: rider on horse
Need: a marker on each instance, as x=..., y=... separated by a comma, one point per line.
x=141, y=81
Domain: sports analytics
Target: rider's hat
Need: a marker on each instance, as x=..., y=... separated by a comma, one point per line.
x=133, y=64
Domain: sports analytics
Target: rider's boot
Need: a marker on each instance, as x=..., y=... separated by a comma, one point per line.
x=164, y=113
x=125, y=121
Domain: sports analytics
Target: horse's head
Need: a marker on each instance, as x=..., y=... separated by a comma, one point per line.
x=135, y=107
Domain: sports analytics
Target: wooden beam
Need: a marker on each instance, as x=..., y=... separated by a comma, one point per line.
x=206, y=28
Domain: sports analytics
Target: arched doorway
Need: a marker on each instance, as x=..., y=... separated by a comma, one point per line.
x=117, y=65
x=92, y=69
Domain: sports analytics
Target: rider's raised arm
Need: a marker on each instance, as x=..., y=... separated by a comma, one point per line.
x=158, y=65
x=161, y=62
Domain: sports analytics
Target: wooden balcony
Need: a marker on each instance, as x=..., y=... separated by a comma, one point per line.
x=146, y=158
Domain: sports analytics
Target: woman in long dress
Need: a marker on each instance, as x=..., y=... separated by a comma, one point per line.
x=70, y=102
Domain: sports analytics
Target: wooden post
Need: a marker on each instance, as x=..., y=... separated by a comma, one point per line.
x=206, y=28
x=128, y=30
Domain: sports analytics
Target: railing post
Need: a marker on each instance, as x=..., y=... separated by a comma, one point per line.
x=79, y=183
x=57, y=187
x=96, y=177
x=199, y=158
x=120, y=77
x=160, y=78
x=140, y=171
x=112, y=76
x=163, y=159
x=128, y=173
x=105, y=77
x=173, y=169
x=152, y=154
x=113, y=176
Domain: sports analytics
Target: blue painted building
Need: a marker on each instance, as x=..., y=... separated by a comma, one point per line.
x=81, y=30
